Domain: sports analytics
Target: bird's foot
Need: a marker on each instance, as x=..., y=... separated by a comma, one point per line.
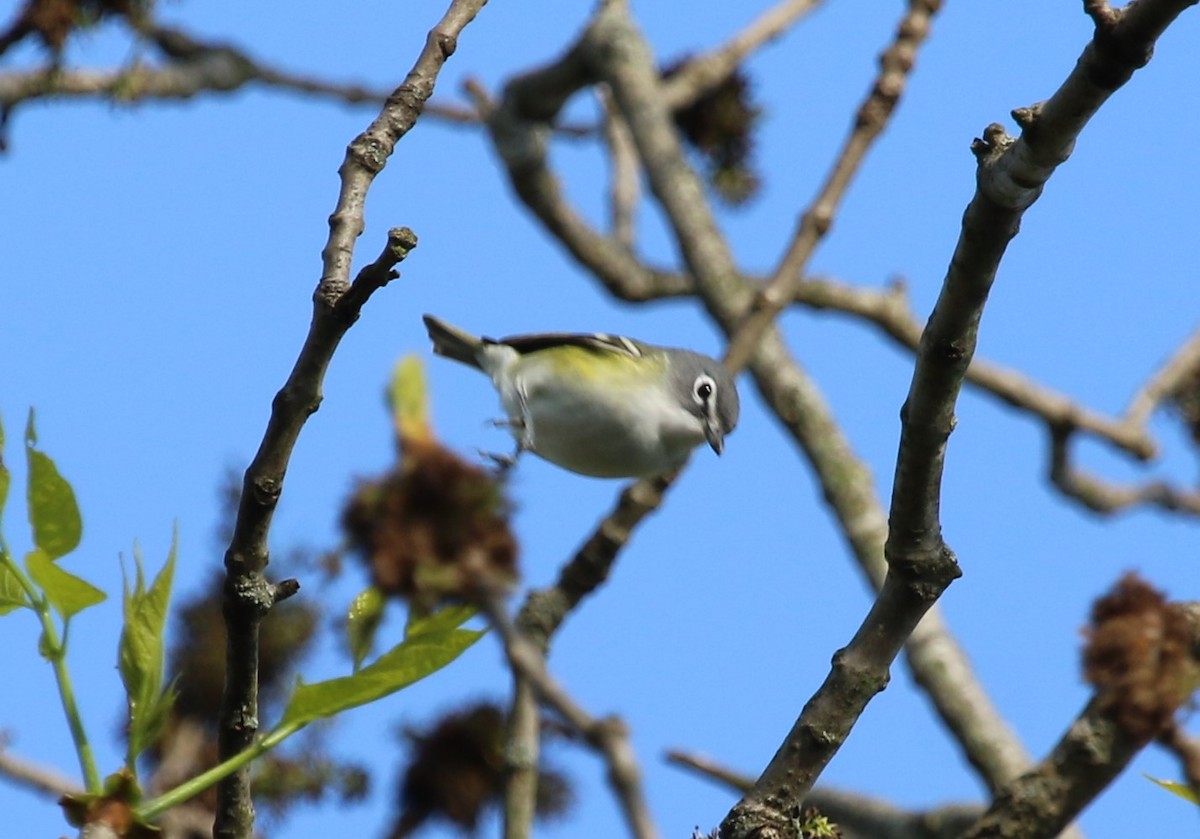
x=503, y=463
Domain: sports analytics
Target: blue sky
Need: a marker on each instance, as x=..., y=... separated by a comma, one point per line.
x=156, y=285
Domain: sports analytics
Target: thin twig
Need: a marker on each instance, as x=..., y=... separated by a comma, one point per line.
x=336, y=305
x=40, y=779
x=624, y=187
x=889, y=310
x=1107, y=497
x=871, y=118
x=921, y=565
x=938, y=663
x=857, y=816
x=710, y=769
x=702, y=73
x=1183, y=363
x=540, y=616
x=608, y=736
x=195, y=66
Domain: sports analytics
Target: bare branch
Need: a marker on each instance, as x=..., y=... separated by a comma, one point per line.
x=608, y=735
x=889, y=310
x=1102, y=740
x=857, y=816
x=1184, y=362
x=710, y=769
x=1106, y=497
x=40, y=779
x=522, y=746
x=336, y=305
x=870, y=120
x=702, y=73
x=540, y=616
x=939, y=664
x=195, y=67
x=544, y=611
x=920, y=564
x=624, y=189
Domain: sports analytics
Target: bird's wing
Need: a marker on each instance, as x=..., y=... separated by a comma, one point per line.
x=596, y=341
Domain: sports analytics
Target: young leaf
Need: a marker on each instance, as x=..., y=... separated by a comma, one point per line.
x=1182, y=790
x=409, y=400
x=362, y=619
x=12, y=596
x=409, y=661
x=68, y=594
x=443, y=620
x=140, y=654
x=53, y=513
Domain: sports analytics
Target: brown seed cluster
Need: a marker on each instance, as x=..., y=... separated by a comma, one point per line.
x=1138, y=656
x=720, y=125
x=52, y=21
x=435, y=528
x=456, y=771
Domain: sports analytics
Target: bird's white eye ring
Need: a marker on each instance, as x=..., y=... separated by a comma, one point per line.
x=703, y=389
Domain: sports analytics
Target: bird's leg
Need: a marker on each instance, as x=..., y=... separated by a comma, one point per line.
x=505, y=462
x=502, y=462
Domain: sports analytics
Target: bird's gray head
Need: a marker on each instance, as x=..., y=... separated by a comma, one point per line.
x=706, y=390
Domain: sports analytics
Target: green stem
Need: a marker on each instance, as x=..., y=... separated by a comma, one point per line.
x=149, y=810
x=83, y=748
x=55, y=650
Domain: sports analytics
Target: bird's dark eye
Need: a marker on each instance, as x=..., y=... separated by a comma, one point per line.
x=704, y=388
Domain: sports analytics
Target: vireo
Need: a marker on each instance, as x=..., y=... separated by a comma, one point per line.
x=600, y=405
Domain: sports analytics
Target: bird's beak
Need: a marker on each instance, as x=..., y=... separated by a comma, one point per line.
x=714, y=435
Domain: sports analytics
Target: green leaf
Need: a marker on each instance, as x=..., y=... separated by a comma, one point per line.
x=446, y=618
x=140, y=655
x=409, y=400
x=1182, y=790
x=409, y=661
x=53, y=513
x=68, y=594
x=362, y=620
x=12, y=596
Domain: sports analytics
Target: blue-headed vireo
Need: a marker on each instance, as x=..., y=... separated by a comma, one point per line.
x=601, y=405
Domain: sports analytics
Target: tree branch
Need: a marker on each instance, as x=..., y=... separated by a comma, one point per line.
x=336, y=305
x=870, y=120
x=857, y=816
x=1092, y=753
x=1106, y=497
x=195, y=66
x=608, y=736
x=920, y=565
x=40, y=779
x=938, y=663
x=1183, y=363
x=889, y=310
x=700, y=74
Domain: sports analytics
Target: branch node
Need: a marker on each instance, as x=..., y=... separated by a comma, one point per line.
x=1027, y=117
x=994, y=141
x=1102, y=14
x=284, y=589
x=446, y=43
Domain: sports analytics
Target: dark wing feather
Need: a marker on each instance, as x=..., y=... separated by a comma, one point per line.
x=598, y=342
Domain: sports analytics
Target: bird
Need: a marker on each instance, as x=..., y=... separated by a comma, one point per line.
x=600, y=405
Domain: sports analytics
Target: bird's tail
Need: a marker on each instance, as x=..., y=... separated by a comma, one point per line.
x=453, y=342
